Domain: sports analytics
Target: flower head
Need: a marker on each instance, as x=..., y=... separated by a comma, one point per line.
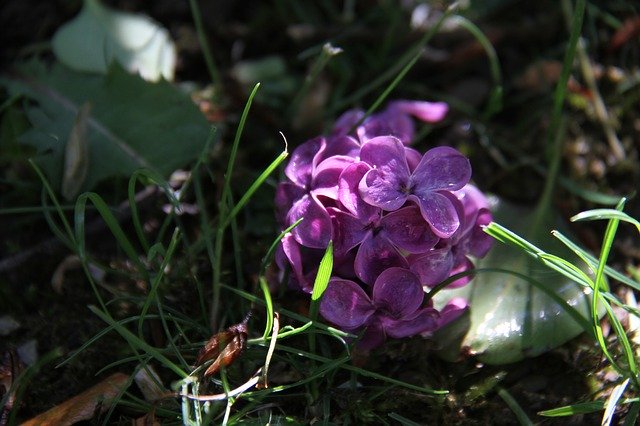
x=390, y=183
x=394, y=309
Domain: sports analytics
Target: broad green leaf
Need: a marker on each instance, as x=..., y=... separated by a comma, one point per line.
x=99, y=35
x=523, y=311
x=133, y=123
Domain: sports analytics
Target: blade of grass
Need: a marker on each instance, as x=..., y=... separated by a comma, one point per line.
x=494, y=104
x=612, y=402
x=204, y=43
x=522, y=417
x=402, y=66
x=138, y=343
x=223, y=220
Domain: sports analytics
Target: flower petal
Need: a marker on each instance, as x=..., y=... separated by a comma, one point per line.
x=452, y=311
x=423, y=321
x=300, y=167
x=287, y=194
x=349, y=195
x=441, y=168
x=373, y=336
x=463, y=265
x=397, y=292
x=345, y=304
x=386, y=185
x=347, y=121
x=407, y=229
x=341, y=145
x=348, y=231
x=325, y=176
x=316, y=229
x=430, y=112
x=375, y=255
x=391, y=122
x=432, y=267
x=479, y=241
x=439, y=211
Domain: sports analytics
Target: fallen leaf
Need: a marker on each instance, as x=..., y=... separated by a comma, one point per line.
x=76, y=155
x=99, y=35
x=225, y=346
x=150, y=384
x=83, y=406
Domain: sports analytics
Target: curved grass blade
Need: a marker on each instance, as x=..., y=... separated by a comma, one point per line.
x=138, y=343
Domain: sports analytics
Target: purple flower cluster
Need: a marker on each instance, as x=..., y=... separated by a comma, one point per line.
x=401, y=222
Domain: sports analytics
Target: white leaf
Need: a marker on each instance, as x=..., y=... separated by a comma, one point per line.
x=99, y=35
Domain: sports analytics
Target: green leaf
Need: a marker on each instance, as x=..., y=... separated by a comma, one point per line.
x=519, y=307
x=99, y=35
x=133, y=123
x=570, y=410
x=324, y=273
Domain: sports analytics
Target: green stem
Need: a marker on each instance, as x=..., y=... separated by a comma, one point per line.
x=204, y=43
x=554, y=136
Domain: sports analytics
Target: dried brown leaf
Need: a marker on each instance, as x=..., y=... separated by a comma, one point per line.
x=224, y=347
x=83, y=406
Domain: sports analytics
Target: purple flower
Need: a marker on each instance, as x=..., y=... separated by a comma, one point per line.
x=396, y=120
x=394, y=309
x=391, y=183
x=451, y=256
x=313, y=171
x=378, y=236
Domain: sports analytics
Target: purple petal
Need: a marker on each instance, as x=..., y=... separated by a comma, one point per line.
x=349, y=195
x=316, y=229
x=287, y=194
x=347, y=121
x=326, y=174
x=386, y=185
x=441, y=168
x=423, y=321
x=463, y=265
x=348, y=231
x=413, y=158
x=440, y=212
x=397, y=292
x=300, y=167
x=479, y=241
x=373, y=337
x=430, y=112
x=289, y=254
x=345, y=304
x=340, y=145
x=452, y=311
x=407, y=229
x=375, y=255
x=433, y=267
x=388, y=123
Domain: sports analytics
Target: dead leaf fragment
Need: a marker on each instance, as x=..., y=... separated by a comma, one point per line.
x=83, y=406
x=224, y=347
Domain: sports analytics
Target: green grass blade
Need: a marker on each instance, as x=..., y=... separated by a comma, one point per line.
x=612, y=402
x=606, y=214
x=254, y=186
x=138, y=343
x=572, y=410
x=494, y=104
x=157, y=279
x=632, y=415
x=522, y=417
